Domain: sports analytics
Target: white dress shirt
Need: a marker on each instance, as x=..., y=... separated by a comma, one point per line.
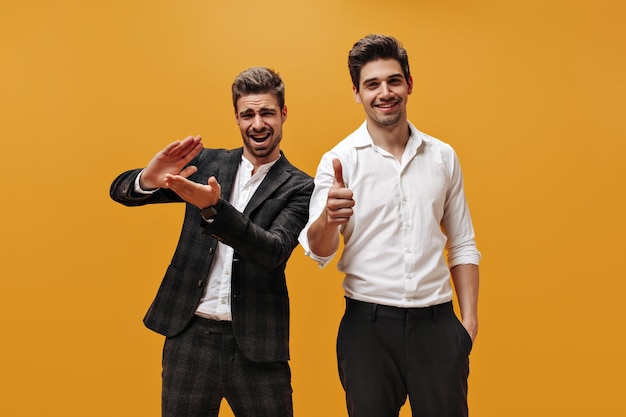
x=406, y=214
x=215, y=303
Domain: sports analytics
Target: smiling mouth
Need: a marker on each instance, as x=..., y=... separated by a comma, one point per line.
x=386, y=106
x=259, y=138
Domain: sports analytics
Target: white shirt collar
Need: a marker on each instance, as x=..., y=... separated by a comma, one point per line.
x=362, y=138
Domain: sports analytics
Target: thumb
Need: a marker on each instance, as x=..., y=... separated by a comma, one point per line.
x=188, y=171
x=215, y=189
x=214, y=184
x=338, y=181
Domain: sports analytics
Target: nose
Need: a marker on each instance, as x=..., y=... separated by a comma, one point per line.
x=258, y=123
x=384, y=89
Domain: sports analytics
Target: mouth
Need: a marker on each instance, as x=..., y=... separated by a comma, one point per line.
x=259, y=137
x=385, y=107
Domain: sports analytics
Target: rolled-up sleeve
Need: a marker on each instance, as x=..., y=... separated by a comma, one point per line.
x=457, y=222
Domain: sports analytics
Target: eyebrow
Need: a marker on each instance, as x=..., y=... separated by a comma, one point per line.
x=399, y=74
x=261, y=110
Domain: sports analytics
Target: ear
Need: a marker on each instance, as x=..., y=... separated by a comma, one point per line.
x=410, y=82
x=357, y=96
x=236, y=117
x=283, y=113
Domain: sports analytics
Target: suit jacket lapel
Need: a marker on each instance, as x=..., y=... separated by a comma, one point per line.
x=278, y=174
x=228, y=167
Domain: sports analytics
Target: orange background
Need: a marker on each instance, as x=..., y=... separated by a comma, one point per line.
x=531, y=95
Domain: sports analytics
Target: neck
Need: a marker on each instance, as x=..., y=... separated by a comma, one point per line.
x=258, y=162
x=393, y=139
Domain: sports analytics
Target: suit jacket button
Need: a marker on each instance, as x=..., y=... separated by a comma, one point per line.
x=200, y=283
x=211, y=250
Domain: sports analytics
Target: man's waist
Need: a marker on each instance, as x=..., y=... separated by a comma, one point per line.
x=381, y=310
x=213, y=316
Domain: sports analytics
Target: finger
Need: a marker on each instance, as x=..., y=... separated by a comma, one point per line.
x=339, y=216
x=169, y=180
x=339, y=198
x=190, y=142
x=170, y=148
x=338, y=180
x=193, y=152
x=182, y=148
x=188, y=171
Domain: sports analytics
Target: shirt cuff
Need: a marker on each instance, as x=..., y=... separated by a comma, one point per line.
x=322, y=261
x=140, y=190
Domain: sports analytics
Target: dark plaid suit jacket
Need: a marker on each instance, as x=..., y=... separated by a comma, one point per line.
x=263, y=237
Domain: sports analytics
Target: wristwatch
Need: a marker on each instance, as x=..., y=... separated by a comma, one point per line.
x=208, y=214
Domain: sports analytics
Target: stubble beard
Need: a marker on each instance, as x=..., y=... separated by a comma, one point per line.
x=262, y=152
x=387, y=120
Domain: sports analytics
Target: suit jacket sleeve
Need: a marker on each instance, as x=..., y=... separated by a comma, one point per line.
x=265, y=237
x=123, y=191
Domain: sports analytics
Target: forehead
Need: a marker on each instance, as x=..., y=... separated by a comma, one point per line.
x=254, y=102
x=380, y=69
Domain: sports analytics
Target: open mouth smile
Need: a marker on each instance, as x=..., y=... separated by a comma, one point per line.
x=259, y=138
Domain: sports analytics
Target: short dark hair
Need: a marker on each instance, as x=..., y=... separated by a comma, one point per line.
x=258, y=80
x=373, y=47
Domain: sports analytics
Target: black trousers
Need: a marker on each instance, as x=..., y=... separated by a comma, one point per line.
x=203, y=365
x=386, y=354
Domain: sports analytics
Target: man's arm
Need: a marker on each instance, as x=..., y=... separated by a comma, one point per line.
x=323, y=233
x=269, y=240
x=466, y=279
x=169, y=161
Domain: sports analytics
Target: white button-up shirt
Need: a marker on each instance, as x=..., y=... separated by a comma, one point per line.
x=406, y=214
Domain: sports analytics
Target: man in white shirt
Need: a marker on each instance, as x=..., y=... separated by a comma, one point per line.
x=396, y=196
x=223, y=303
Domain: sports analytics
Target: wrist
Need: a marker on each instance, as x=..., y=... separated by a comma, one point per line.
x=210, y=213
x=145, y=183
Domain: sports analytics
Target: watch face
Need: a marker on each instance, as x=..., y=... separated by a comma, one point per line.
x=209, y=213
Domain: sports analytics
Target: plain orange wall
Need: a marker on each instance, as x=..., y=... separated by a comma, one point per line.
x=531, y=95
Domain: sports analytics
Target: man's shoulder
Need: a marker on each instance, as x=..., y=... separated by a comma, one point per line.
x=432, y=143
x=355, y=139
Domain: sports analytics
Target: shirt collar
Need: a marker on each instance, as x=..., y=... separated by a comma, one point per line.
x=363, y=139
x=248, y=166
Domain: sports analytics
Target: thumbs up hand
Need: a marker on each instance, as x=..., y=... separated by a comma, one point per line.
x=340, y=198
x=323, y=234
